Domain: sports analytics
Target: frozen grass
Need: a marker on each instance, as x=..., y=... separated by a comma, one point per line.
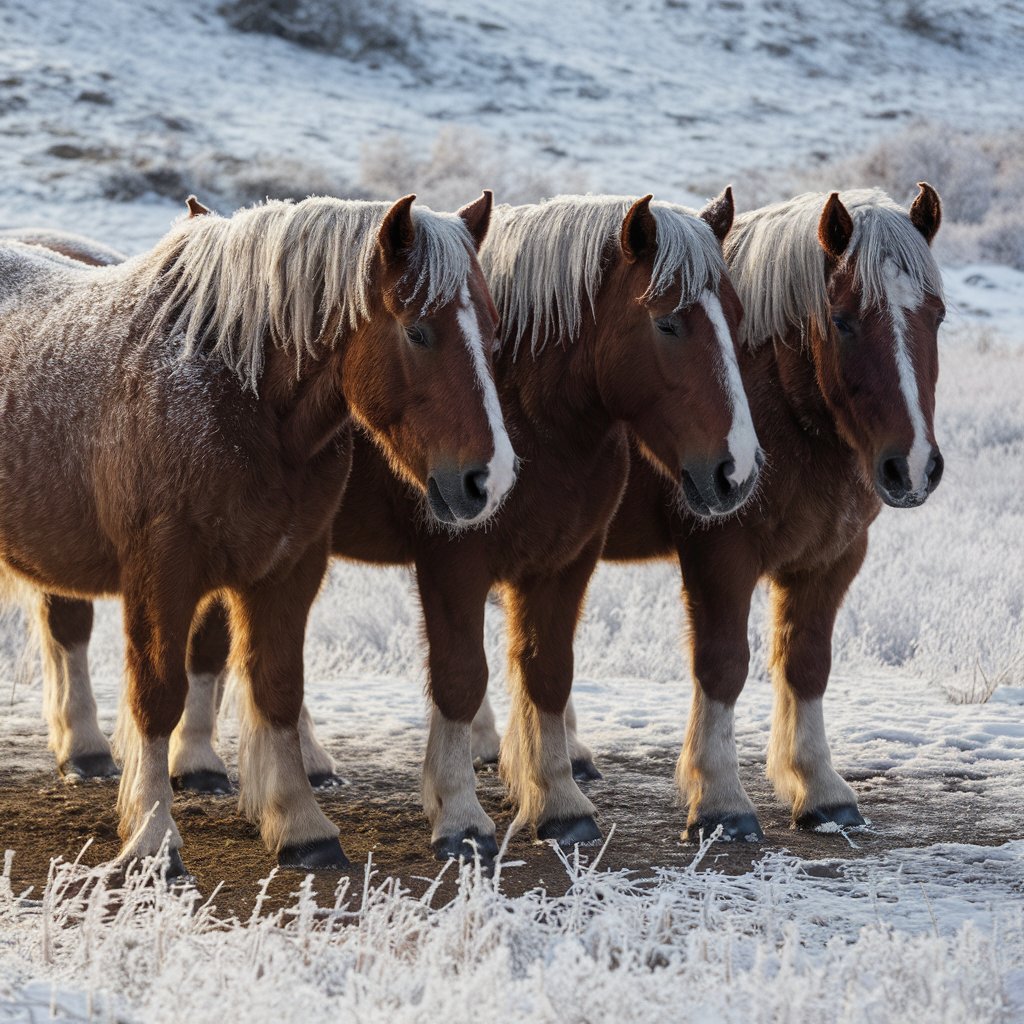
x=929, y=935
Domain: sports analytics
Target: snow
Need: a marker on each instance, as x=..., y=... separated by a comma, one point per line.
x=112, y=114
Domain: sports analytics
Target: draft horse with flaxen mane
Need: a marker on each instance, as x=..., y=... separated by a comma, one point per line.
x=177, y=427
x=843, y=302
x=617, y=317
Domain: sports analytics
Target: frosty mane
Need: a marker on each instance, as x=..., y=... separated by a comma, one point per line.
x=290, y=271
x=777, y=264
x=541, y=261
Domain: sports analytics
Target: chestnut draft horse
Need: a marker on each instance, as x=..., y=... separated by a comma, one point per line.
x=617, y=316
x=843, y=302
x=177, y=427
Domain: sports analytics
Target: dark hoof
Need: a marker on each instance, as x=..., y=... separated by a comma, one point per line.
x=176, y=872
x=831, y=819
x=318, y=855
x=584, y=770
x=461, y=846
x=567, y=832
x=326, y=780
x=203, y=781
x=735, y=828
x=485, y=762
x=89, y=766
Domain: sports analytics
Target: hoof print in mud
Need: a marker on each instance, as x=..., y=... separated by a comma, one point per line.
x=828, y=819
x=319, y=855
x=568, y=832
x=89, y=766
x=465, y=846
x=205, y=782
x=736, y=828
x=584, y=770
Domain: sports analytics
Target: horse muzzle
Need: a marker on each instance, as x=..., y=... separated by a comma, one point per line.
x=894, y=485
x=710, y=488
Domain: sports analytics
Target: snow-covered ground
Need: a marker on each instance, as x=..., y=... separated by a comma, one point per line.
x=111, y=113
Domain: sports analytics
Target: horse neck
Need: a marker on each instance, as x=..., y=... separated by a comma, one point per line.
x=310, y=407
x=796, y=380
x=553, y=395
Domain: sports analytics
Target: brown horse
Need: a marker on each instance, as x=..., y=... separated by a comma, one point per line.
x=627, y=311
x=843, y=304
x=177, y=427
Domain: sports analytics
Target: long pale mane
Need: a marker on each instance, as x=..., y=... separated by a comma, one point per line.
x=545, y=260
x=777, y=264
x=292, y=272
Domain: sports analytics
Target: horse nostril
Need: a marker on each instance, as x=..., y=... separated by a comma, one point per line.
x=895, y=475
x=723, y=485
x=475, y=483
x=933, y=471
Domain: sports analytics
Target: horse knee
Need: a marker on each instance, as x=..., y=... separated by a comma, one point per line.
x=721, y=671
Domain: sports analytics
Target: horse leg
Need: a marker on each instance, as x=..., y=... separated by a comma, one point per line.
x=453, y=616
x=64, y=626
x=268, y=625
x=583, y=767
x=717, y=595
x=157, y=617
x=485, y=741
x=196, y=767
x=542, y=616
x=799, y=759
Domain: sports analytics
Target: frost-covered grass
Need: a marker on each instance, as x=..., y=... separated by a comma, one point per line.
x=933, y=935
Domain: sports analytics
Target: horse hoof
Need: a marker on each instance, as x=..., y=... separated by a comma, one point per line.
x=202, y=781
x=176, y=872
x=466, y=846
x=584, y=770
x=89, y=766
x=831, y=819
x=326, y=780
x=569, y=832
x=484, y=761
x=735, y=828
x=318, y=855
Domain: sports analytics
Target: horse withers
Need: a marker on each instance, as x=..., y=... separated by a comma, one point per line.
x=177, y=427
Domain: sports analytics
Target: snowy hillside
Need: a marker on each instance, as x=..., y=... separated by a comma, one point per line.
x=110, y=114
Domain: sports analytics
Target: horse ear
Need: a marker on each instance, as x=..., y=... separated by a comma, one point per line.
x=397, y=231
x=196, y=208
x=719, y=213
x=477, y=216
x=835, y=228
x=926, y=211
x=639, y=236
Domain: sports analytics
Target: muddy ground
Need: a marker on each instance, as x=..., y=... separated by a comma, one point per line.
x=378, y=810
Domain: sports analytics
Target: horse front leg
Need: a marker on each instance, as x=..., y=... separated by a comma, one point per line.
x=799, y=758
x=535, y=762
x=717, y=593
x=64, y=626
x=196, y=767
x=268, y=626
x=157, y=614
x=453, y=589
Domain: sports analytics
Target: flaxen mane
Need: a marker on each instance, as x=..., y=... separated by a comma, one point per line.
x=285, y=270
x=543, y=260
x=777, y=264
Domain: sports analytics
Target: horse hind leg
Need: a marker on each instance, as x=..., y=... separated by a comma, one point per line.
x=484, y=739
x=64, y=626
x=580, y=757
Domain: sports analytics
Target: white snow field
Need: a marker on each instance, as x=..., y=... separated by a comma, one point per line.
x=111, y=113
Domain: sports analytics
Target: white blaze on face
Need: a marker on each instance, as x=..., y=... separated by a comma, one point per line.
x=742, y=439
x=501, y=470
x=902, y=298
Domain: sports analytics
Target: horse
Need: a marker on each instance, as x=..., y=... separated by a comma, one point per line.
x=617, y=317
x=177, y=430
x=843, y=303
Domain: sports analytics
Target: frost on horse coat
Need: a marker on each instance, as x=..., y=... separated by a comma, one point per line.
x=177, y=426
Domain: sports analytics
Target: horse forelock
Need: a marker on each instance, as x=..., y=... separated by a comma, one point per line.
x=299, y=274
x=777, y=264
x=544, y=261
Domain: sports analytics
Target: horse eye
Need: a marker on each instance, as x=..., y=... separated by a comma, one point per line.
x=841, y=325
x=416, y=334
x=668, y=325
